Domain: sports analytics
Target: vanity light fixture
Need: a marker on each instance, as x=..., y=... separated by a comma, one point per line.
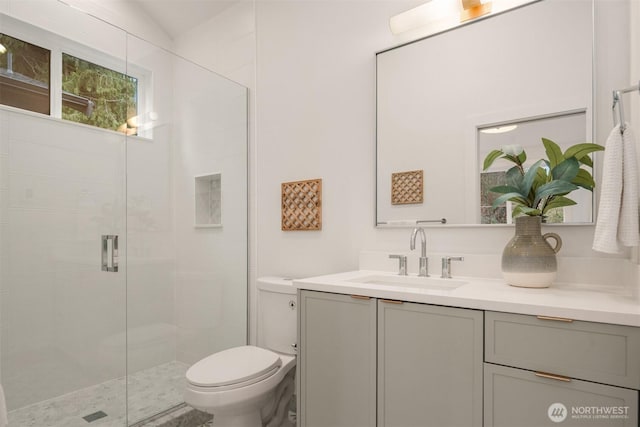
x=499, y=129
x=419, y=16
x=440, y=15
x=2, y=49
x=472, y=9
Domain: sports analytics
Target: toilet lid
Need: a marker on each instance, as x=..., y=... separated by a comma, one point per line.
x=232, y=366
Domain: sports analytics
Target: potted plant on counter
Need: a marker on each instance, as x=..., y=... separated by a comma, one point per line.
x=529, y=260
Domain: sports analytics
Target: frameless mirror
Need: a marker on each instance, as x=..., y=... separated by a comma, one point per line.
x=531, y=66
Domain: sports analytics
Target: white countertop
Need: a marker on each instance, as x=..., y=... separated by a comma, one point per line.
x=578, y=302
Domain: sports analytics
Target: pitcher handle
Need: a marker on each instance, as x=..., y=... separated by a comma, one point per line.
x=557, y=239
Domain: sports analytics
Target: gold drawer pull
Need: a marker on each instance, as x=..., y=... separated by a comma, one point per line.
x=392, y=301
x=557, y=319
x=553, y=376
x=360, y=297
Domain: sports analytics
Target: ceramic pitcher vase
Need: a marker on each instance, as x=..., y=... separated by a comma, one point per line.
x=529, y=260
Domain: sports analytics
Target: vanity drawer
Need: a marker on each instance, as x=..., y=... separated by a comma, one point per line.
x=599, y=352
x=516, y=397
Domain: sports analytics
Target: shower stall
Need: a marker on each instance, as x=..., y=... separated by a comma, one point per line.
x=123, y=219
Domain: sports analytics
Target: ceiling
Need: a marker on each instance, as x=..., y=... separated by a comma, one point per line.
x=178, y=16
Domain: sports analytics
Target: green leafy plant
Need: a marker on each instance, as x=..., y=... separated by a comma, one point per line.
x=545, y=184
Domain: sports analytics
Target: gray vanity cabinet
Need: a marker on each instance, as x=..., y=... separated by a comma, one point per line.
x=429, y=365
x=543, y=370
x=336, y=360
x=367, y=362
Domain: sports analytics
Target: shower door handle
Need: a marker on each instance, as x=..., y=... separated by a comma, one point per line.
x=109, y=249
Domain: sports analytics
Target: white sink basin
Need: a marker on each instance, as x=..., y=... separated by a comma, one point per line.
x=434, y=283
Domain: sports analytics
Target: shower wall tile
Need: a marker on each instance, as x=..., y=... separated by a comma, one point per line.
x=4, y=204
x=48, y=336
x=38, y=240
x=96, y=161
x=4, y=171
x=151, y=330
x=4, y=133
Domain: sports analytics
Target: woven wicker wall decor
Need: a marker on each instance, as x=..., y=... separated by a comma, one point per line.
x=302, y=205
x=407, y=187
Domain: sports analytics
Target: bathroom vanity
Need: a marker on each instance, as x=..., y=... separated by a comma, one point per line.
x=378, y=350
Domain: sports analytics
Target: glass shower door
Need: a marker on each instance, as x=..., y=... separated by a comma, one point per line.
x=125, y=140
x=186, y=224
x=62, y=188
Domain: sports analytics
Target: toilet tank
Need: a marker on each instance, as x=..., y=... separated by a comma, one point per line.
x=277, y=314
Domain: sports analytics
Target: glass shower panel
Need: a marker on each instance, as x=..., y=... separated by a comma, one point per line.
x=154, y=375
x=210, y=133
x=62, y=187
x=187, y=284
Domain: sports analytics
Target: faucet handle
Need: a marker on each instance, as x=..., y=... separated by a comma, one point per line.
x=402, y=264
x=446, y=265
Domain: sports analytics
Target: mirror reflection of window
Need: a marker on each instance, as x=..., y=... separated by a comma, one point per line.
x=566, y=129
x=489, y=214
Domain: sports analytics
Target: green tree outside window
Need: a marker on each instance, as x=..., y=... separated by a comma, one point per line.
x=113, y=94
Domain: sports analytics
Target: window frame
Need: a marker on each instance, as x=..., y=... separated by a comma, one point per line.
x=57, y=45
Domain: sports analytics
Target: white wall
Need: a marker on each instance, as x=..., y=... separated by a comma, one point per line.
x=224, y=44
x=316, y=119
x=126, y=15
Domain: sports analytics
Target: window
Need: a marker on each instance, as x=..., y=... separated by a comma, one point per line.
x=90, y=93
x=24, y=75
x=112, y=96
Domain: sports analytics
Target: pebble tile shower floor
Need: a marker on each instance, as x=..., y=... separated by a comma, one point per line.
x=150, y=391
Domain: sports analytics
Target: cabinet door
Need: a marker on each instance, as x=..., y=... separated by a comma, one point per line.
x=430, y=365
x=519, y=398
x=337, y=360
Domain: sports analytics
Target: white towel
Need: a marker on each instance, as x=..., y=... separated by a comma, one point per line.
x=617, y=222
x=4, y=422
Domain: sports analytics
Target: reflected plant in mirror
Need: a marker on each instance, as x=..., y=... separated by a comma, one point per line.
x=541, y=189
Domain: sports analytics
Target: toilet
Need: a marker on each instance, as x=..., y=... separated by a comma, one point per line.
x=251, y=386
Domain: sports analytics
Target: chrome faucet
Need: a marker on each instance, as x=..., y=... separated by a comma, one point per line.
x=402, y=264
x=446, y=265
x=424, y=261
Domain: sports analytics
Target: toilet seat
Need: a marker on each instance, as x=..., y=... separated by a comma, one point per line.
x=233, y=368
